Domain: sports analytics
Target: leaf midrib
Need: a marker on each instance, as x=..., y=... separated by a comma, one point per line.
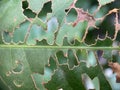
x=60, y=47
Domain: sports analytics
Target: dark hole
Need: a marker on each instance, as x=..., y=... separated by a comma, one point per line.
x=46, y=9
x=29, y=13
x=24, y=4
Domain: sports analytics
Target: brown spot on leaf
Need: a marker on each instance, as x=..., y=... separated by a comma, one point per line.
x=116, y=68
x=90, y=18
x=84, y=16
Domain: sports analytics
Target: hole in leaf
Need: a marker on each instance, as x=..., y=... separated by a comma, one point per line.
x=61, y=57
x=65, y=42
x=91, y=37
x=107, y=27
x=72, y=59
x=66, y=10
x=52, y=64
x=46, y=9
x=72, y=15
x=94, y=2
x=115, y=4
x=72, y=42
x=81, y=55
x=83, y=4
x=118, y=36
x=99, y=53
x=24, y=4
x=43, y=42
x=29, y=13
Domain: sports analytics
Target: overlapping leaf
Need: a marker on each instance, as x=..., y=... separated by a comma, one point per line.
x=72, y=80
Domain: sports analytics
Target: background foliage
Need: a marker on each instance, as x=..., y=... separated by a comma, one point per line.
x=59, y=44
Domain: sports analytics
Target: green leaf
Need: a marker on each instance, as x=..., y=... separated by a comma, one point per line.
x=52, y=64
x=104, y=42
x=65, y=79
x=36, y=5
x=39, y=79
x=96, y=83
x=17, y=63
x=34, y=59
x=58, y=8
x=81, y=54
x=104, y=2
x=19, y=34
x=61, y=57
x=11, y=14
x=108, y=55
x=72, y=33
x=39, y=22
x=7, y=36
x=38, y=33
x=31, y=32
x=54, y=34
x=14, y=69
x=91, y=60
x=72, y=59
x=72, y=80
x=43, y=15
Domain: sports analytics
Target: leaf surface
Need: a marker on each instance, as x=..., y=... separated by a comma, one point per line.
x=72, y=80
x=58, y=8
x=103, y=2
x=11, y=15
x=17, y=63
x=37, y=5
